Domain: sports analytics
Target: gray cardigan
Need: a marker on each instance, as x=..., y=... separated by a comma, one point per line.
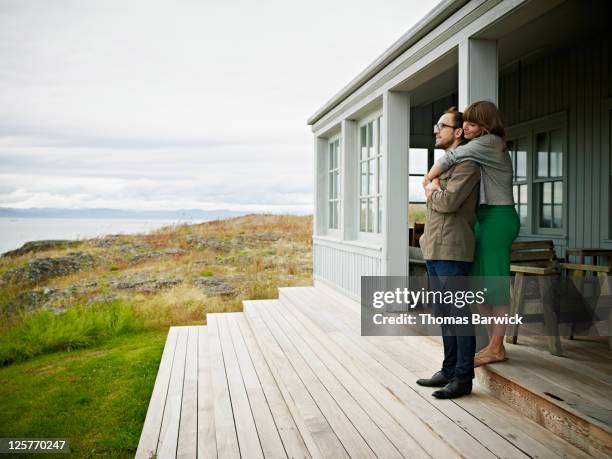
x=489, y=151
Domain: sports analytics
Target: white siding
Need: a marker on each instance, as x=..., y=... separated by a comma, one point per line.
x=343, y=265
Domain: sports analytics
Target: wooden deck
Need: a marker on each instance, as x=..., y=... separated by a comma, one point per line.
x=294, y=378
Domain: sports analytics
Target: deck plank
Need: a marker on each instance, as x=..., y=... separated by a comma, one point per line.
x=188, y=430
x=586, y=357
x=207, y=441
x=149, y=436
x=290, y=435
x=225, y=428
x=168, y=436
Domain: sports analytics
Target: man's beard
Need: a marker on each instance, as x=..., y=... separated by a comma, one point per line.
x=444, y=145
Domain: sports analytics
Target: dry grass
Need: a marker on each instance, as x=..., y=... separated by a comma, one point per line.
x=182, y=305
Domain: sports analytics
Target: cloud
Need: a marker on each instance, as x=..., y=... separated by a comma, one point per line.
x=159, y=104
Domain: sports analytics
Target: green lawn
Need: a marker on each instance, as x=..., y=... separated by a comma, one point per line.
x=96, y=397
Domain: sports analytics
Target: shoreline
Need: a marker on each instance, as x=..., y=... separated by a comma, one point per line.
x=15, y=232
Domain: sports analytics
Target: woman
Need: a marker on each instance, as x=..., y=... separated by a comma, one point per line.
x=497, y=223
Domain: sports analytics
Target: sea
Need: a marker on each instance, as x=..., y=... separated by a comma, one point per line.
x=14, y=232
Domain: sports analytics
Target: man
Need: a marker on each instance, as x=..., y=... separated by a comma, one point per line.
x=448, y=248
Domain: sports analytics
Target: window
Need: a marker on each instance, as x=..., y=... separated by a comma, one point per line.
x=537, y=150
x=333, y=175
x=518, y=152
x=549, y=178
x=370, y=190
x=420, y=161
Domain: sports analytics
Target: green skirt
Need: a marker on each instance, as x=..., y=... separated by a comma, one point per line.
x=496, y=229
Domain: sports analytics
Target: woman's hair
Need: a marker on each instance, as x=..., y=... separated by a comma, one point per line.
x=487, y=116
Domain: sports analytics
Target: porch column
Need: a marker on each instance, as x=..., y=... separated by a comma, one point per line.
x=396, y=135
x=349, y=179
x=320, y=189
x=478, y=71
x=478, y=80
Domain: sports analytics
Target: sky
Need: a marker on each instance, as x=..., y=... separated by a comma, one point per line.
x=183, y=104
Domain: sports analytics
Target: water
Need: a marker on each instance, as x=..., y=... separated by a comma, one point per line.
x=14, y=232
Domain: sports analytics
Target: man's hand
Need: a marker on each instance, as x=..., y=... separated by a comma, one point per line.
x=426, y=181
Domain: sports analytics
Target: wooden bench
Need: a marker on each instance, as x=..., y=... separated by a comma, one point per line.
x=578, y=272
x=535, y=258
x=538, y=258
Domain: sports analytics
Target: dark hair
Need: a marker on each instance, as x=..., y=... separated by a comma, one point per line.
x=487, y=116
x=457, y=116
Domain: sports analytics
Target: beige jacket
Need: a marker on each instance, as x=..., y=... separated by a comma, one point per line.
x=451, y=213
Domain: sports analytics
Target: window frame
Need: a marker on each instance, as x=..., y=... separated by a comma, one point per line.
x=378, y=144
x=530, y=130
x=517, y=134
x=339, y=198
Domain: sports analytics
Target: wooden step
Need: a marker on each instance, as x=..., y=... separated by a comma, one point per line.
x=494, y=425
x=528, y=384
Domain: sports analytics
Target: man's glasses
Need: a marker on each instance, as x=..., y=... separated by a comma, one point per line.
x=438, y=127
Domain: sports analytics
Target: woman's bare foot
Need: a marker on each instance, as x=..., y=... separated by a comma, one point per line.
x=487, y=356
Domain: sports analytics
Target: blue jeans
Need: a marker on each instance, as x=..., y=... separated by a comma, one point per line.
x=458, y=350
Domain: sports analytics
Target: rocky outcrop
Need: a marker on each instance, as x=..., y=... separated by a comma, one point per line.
x=53, y=299
x=219, y=285
x=40, y=269
x=144, y=284
x=125, y=246
x=40, y=246
x=215, y=244
x=257, y=237
x=146, y=256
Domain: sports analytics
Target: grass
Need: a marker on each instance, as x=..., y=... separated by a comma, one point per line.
x=43, y=331
x=97, y=398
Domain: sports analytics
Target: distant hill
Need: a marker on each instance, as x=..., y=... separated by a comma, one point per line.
x=181, y=214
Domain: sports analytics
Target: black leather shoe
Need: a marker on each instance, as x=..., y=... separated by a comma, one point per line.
x=437, y=380
x=454, y=389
